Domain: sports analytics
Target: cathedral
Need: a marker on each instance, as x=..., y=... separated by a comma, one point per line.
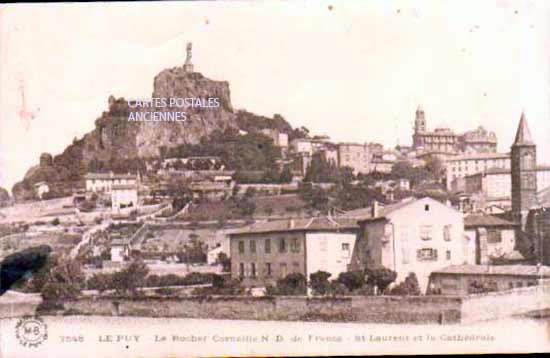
x=445, y=141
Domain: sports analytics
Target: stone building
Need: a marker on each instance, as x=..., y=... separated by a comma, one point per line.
x=354, y=155
x=524, y=176
x=439, y=140
x=433, y=240
x=459, y=167
x=490, y=240
x=265, y=252
x=470, y=279
x=478, y=140
x=123, y=196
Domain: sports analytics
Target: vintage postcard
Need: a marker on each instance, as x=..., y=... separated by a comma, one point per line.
x=274, y=178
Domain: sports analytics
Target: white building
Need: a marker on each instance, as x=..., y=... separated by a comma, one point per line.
x=103, y=182
x=302, y=145
x=415, y=235
x=464, y=165
x=123, y=196
x=120, y=250
x=279, y=139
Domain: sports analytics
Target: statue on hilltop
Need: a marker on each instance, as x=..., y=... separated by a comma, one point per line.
x=188, y=66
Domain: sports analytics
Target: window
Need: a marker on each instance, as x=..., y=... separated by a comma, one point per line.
x=253, y=269
x=241, y=247
x=294, y=245
x=426, y=255
x=283, y=269
x=405, y=254
x=447, y=232
x=241, y=270
x=494, y=236
x=448, y=254
x=427, y=207
x=510, y=285
x=268, y=269
x=282, y=245
x=267, y=246
x=253, y=246
x=295, y=267
x=426, y=232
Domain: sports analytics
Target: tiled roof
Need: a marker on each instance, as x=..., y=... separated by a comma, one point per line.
x=508, y=270
x=321, y=223
x=480, y=156
x=383, y=211
x=473, y=220
x=123, y=187
x=109, y=176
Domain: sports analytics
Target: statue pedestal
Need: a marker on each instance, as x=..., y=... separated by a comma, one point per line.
x=188, y=67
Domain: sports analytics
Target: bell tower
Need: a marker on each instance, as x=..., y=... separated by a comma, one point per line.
x=524, y=175
x=419, y=120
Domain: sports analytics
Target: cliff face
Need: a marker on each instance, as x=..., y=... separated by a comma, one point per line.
x=115, y=135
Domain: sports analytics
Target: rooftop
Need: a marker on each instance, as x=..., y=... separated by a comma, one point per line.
x=502, y=270
x=474, y=156
x=321, y=223
x=109, y=176
x=523, y=135
x=474, y=220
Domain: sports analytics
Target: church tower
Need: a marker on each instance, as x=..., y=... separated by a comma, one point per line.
x=419, y=121
x=524, y=175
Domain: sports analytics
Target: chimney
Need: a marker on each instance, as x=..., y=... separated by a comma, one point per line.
x=374, y=211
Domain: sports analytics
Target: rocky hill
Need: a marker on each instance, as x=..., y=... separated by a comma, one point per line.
x=117, y=140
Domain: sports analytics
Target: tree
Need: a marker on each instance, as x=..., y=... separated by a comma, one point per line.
x=130, y=278
x=291, y=285
x=409, y=287
x=435, y=167
x=319, y=283
x=380, y=276
x=65, y=280
x=225, y=261
x=286, y=175
x=352, y=279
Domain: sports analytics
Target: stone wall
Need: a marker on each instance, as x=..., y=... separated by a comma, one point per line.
x=379, y=309
x=495, y=305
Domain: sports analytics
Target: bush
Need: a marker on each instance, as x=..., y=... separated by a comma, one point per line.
x=352, y=279
x=381, y=277
x=293, y=284
x=318, y=281
x=409, y=287
x=55, y=222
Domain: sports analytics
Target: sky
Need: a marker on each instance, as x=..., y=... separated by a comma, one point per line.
x=353, y=70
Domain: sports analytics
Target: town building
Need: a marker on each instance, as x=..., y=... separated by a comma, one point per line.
x=478, y=140
x=414, y=235
x=355, y=156
x=461, y=166
x=491, y=240
x=471, y=279
x=279, y=139
x=302, y=145
x=103, y=182
x=497, y=183
x=265, y=252
x=123, y=196
x=120, y=250
x=439, y=140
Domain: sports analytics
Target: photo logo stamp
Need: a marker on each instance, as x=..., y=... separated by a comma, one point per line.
x=31, y=331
